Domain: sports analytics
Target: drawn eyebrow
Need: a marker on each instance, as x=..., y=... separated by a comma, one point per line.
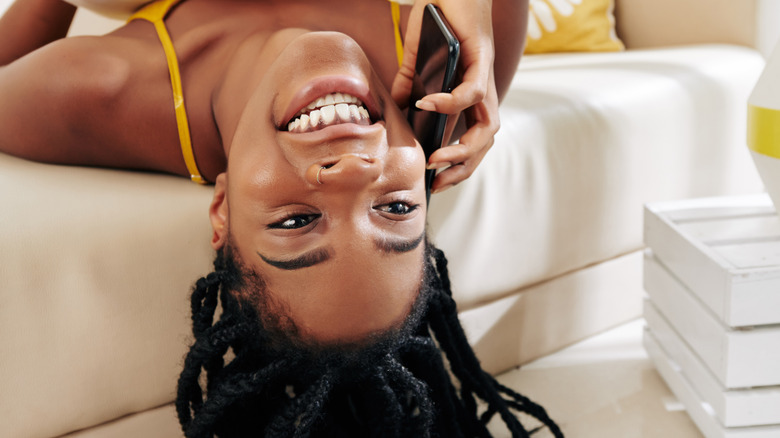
x=304, y=260
x=399, y=246
x=320, y=255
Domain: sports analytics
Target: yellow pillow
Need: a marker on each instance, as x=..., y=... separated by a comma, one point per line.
x=571, y=26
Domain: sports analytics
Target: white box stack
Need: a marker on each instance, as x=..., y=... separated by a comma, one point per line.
x=712, y=276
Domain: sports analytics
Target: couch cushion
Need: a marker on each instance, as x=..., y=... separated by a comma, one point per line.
x=95, y=267
x=585, y=140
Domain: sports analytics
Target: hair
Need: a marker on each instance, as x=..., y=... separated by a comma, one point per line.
x=397, y=385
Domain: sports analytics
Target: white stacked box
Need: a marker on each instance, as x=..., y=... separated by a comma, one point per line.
x=712, y=274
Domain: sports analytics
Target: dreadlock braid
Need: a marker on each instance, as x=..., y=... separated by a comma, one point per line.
x=467, y=369
x=394, y=387
x=424, y=358
x=203, y=305
x=207, y=350
x=391, y=401
x=301, y=413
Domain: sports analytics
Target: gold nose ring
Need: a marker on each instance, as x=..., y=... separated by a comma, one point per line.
x=318, y=174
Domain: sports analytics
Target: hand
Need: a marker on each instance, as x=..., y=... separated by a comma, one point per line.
x=476, y=96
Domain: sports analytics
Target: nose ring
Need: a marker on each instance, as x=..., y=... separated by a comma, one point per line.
x=318, y=174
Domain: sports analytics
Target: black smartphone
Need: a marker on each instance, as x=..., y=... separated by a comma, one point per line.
x=435, y=71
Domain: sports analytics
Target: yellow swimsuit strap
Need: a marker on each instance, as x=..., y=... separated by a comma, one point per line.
x=395, y=11
x=155, y=13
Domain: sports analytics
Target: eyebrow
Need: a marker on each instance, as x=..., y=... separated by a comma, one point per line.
x=321, y=255
x=304, y=260
x=398, y=246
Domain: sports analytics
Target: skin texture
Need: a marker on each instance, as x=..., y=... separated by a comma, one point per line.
x=247, y=67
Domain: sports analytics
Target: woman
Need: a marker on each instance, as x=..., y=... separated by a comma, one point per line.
x=335, y=208
x=323, y=224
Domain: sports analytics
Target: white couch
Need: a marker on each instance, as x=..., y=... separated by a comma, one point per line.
x=96, y=265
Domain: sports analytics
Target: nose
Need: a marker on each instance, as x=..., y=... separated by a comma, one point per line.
x=349, y=171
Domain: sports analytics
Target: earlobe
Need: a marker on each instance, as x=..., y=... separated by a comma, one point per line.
x=218, y=212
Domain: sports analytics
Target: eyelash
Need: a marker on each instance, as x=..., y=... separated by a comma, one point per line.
x=410, y=208
x=296, y=221
x=283, y=224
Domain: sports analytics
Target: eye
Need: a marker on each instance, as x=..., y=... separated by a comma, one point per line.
x=294, y=222
x=397, y=208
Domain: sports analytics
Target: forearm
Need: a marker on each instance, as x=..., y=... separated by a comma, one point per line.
x=30, y=24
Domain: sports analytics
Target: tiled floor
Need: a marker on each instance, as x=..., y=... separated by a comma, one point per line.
x=603, y=387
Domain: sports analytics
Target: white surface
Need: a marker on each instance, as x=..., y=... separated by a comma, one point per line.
x=769, y=169
x=545, y=317
x=603, y=387
x=725, y=250
x=585, y=140
x=110, y=8
x=738, y=358
x=733, y=408
x=699, y=410
x=766, y=93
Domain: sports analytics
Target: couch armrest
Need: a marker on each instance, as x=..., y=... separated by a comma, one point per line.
x=656, y=23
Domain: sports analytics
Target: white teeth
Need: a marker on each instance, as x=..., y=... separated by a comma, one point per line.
x=304, y=122
x=342, y=110
x=314, y=117
x=354, y=112
x=330, y=109
x=328, y=114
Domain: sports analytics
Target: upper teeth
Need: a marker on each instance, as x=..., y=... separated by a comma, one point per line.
x=328, y=110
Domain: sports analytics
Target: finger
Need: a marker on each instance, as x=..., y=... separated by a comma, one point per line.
x=459, y=172
x=402, y=83
x=475, y=83
x=401, y=89
x=484, y=125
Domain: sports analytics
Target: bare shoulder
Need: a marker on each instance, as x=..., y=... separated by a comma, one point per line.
x=65, y=103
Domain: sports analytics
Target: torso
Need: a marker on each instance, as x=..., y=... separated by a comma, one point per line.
x=214, y=43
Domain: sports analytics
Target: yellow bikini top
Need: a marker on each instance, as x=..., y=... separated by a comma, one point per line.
x=155, y=13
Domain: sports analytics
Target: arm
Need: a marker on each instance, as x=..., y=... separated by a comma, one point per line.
x=30, y=24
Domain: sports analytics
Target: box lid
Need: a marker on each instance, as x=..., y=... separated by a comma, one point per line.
x=725, y=250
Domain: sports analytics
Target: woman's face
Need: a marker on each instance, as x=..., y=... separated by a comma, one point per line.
x=332, y=217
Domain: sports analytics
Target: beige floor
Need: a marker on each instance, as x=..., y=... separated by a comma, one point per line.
x=603, y=387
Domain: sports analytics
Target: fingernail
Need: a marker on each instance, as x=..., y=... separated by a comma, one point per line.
x=441, y=189
x=425, y=105
x=438, y=165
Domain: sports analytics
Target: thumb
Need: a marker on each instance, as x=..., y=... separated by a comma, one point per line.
x=402, y=83
x=401, y=90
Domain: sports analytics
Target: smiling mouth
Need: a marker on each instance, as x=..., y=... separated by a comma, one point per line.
x=329, y=110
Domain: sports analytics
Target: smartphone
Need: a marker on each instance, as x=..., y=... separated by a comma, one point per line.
x=435, y=71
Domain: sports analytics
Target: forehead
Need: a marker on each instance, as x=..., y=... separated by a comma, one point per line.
x=348, y=298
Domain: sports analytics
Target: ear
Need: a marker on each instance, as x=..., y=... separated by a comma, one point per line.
x=218, y=212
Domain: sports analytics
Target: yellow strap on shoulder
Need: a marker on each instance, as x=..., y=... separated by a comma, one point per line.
x=155, y=13
x=395, y=11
